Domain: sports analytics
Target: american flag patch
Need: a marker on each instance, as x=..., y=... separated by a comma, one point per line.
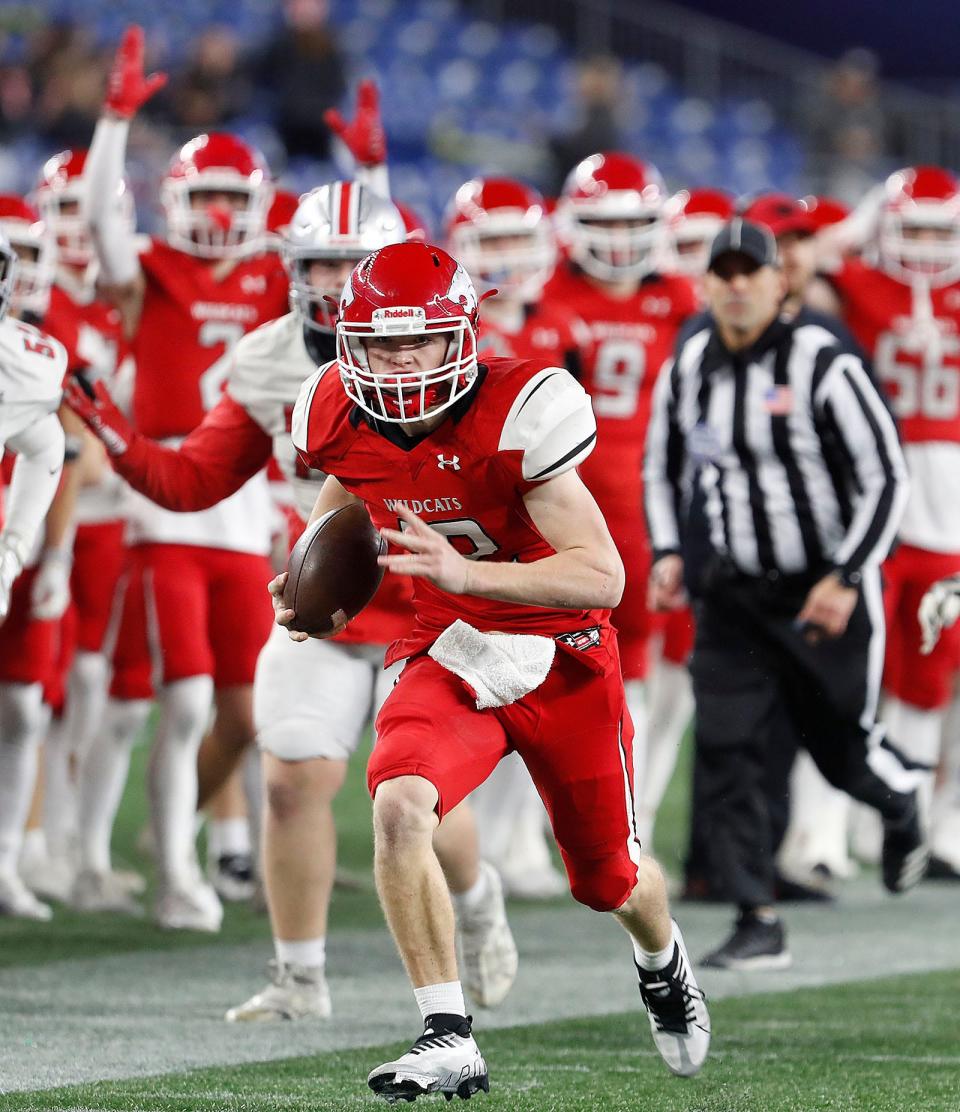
x=778, y=401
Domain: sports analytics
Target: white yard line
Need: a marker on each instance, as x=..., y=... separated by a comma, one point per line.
x=154, y=1013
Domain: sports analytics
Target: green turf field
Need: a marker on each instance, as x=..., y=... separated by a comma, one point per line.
x=91, y=997
x=855, y=1047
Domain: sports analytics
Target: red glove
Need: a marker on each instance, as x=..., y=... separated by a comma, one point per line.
x=127, y=88
x=365, y=137
x=93, y=405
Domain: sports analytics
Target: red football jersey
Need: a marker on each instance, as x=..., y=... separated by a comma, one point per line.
x=915, y=347
x=189, y=324
x=546, y=334
x=90, y=330
x=626, y=342
x=523, y=423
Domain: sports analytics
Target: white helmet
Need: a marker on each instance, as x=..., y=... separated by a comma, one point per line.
x=24, y=230
x=340, y=221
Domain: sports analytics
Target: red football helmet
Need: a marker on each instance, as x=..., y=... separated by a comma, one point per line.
x=694, y=216
x=407, y=289
x=611, y=210
x=782, y=214
x=918, y=234
x=217, y=163
x=31, y=240
x=825, y=211
x=58, y=196
x=499, y=230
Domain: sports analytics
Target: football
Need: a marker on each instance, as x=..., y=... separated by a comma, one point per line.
x=333, y=567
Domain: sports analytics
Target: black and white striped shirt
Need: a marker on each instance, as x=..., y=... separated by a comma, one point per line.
x=796, y=455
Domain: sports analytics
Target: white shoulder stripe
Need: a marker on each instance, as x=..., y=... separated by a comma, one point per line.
x=300, y=423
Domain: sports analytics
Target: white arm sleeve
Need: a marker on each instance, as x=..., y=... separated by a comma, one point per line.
x=114, y=242
x=375, y=178
x=36, y=475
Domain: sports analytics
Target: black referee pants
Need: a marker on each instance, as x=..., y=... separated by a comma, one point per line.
x=757, y=680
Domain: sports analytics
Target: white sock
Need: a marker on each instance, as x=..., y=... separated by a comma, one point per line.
x=227, y=836
x=21, y=725
x=660, y=959
x=446, y=998
x=103, y=776
x=83, y=715
x=920, y=739
x=465, y=903
x=669, y=711
x=172, y=777
x=311, y=952
x=34, y=847
x=59, y=791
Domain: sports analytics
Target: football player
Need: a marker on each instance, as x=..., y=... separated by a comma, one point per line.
x=611, y=212
x=310, y=708
x=510, y=645
x=32, y=366
x=90, y=330
x=191, y=610
x=903, y=306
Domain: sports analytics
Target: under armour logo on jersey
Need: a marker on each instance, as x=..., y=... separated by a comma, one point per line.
x=453, y=464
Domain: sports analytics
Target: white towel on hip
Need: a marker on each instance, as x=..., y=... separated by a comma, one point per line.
x=500, y=667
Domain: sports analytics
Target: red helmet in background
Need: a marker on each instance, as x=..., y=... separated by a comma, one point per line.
x=825, y=211
x=26, y=233
x=499, y=230
x=59, y=195
x=413, y=222
x=611, y=212
x=918, y=234
x=694, y=216
x=408, y=289
x=217, y=163
x=782, y=214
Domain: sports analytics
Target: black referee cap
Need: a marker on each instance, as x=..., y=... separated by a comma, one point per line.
x=740, y=237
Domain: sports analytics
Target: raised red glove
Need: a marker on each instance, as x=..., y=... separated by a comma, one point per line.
x=364, y=137
x=93, y=405
x=127, y=88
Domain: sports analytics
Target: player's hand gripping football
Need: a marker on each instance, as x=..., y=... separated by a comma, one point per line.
x=429, y=555
x=285, y=617
x=364, y=136
x=93, y=405
x=939, y=609
x=128, y=88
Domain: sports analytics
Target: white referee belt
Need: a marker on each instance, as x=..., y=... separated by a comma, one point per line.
x=500, y=667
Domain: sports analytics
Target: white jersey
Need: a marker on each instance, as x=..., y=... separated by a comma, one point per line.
x=270, y=365
x=32, y=366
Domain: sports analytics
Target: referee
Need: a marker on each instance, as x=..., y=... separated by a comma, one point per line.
x=801, y=486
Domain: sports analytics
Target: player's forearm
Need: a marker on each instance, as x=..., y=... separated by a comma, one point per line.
x=103, y=177
x=176, y=478
x=569, y=580
x=36, y=476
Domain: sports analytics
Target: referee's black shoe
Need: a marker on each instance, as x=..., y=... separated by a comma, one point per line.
x=755, y=945
x=905, y=855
